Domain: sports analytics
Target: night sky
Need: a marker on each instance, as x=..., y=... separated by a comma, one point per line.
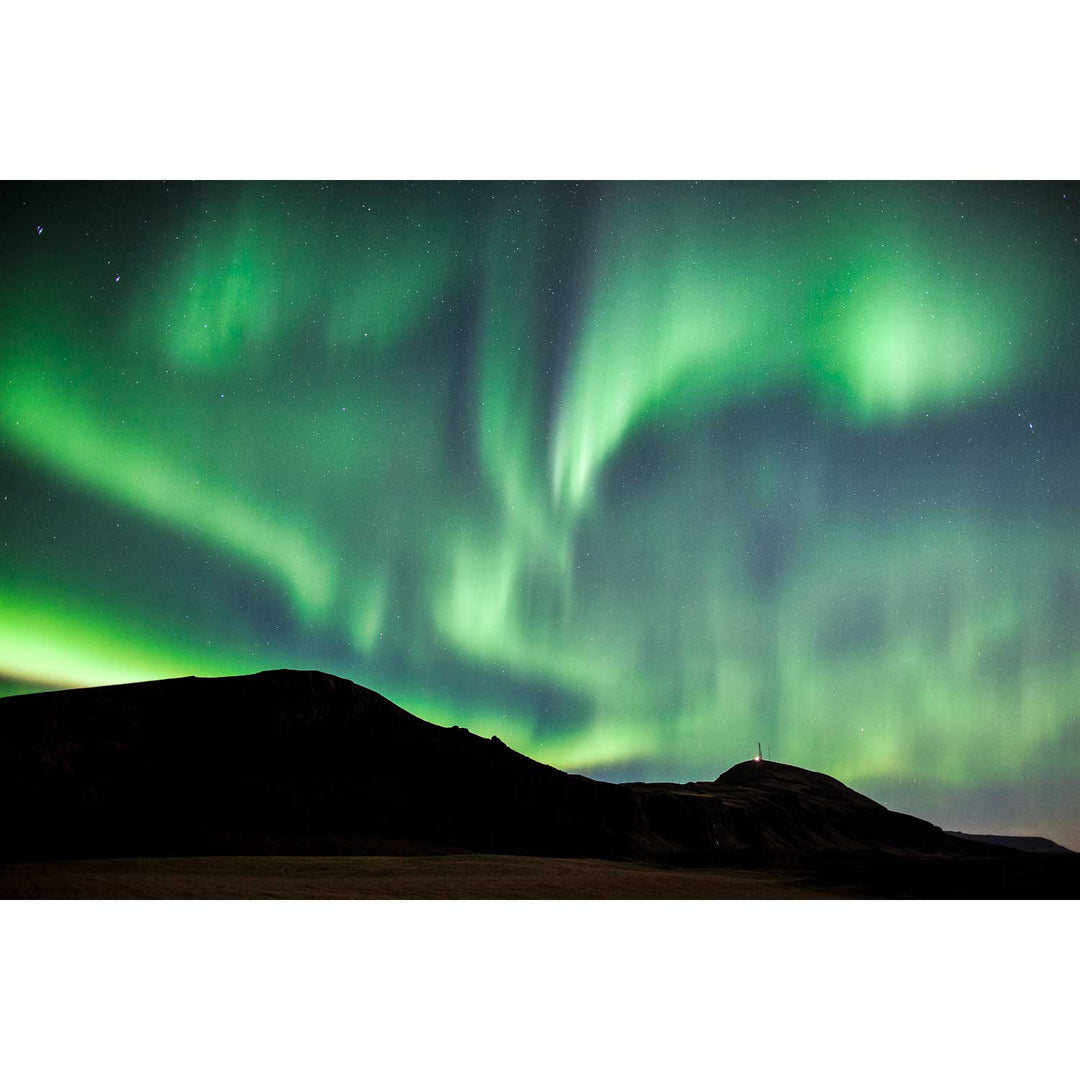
x=631, y=475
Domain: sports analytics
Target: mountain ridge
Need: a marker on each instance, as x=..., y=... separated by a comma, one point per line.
x=302, y=762
x=1015, y=843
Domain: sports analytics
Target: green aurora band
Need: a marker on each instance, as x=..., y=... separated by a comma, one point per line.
x=631, y=475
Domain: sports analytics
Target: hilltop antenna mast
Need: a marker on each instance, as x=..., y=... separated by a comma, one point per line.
x=757, y=756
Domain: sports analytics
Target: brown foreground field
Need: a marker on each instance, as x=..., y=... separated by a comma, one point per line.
x=439, y=877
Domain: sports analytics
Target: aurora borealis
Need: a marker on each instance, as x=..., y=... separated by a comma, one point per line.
x=631, y=475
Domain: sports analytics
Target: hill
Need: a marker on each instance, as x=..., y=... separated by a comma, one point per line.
x=304, y=763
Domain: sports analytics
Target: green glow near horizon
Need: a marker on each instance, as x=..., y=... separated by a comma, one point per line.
x=46, y=642
x=628, y=475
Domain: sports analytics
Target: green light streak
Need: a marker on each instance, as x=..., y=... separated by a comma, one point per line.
x=669, y=322
x=58, y=431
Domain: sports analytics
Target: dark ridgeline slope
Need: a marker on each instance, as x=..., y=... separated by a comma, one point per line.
x=279, y=762
x=299, y=762
x=1037, y=844
x=767, y=806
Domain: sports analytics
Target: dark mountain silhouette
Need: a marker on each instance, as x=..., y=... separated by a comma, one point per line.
x=300, y=762
x=1037, y=844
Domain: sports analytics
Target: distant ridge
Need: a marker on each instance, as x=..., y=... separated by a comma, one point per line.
x=301, y=762
x=1038, y=844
